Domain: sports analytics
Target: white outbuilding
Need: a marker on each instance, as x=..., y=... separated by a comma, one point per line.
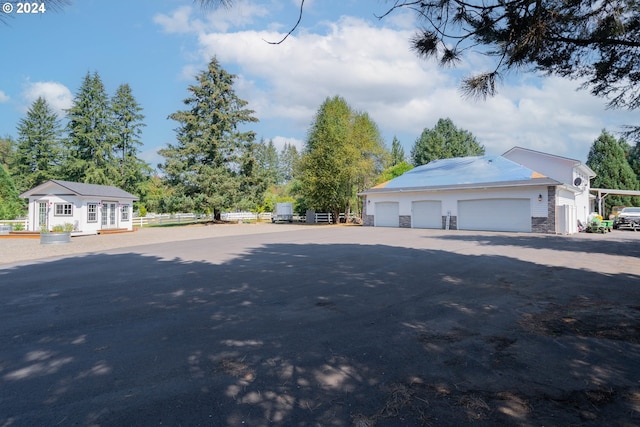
x=89, y=207
x=521, y=191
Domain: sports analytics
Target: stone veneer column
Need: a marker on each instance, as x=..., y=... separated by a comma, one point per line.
x=548, y=224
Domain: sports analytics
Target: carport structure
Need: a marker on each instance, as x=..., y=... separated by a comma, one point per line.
x=602, y=194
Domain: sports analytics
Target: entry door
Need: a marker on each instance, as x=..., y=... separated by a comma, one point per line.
x=109, y=215
x=41, y=216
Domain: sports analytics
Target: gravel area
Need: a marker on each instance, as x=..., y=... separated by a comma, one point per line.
x=19, y=250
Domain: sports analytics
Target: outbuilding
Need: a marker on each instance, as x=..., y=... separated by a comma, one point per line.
x=521, y=191
x=89, y=207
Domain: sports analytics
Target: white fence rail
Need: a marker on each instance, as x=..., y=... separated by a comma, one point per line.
x=324, y=217
x=14, y=224
x=246, y=216
x=182, y=218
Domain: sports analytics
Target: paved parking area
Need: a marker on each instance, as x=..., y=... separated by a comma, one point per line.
x=295, y=325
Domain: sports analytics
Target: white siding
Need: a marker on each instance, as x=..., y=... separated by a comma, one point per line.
x=558, y=168
x=449, y=199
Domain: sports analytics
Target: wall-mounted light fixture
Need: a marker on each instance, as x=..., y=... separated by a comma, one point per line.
x=539, y=197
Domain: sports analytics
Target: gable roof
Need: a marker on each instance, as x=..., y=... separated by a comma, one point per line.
x=465, y=173
x=573, y=162
x=59, y=187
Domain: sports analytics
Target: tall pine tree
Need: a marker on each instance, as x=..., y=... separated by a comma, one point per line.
x=397, y=152
x=127, y=129
x=268, y=162
x=608, y=159
x=38, y=153
x=212, y=164
x=288, y=158
x=89, y=156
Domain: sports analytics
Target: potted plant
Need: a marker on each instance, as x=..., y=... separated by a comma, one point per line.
x=58, y=234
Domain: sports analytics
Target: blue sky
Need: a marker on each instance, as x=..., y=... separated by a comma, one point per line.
x=340, y=48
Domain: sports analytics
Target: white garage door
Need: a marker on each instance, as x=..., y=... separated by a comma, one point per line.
x=387, y=214
x=426, y=214
x=495, y=215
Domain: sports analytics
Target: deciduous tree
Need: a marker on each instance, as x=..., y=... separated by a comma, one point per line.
x=11, y=206
x=343, y=154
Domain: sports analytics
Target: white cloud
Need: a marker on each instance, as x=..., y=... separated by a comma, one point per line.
x=4, y=97
x=221, y=19
x=177, y=22
x=373, y=68
x=57, y=95
x=280, y=141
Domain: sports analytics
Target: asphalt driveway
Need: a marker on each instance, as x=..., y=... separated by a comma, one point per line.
x=327, y=326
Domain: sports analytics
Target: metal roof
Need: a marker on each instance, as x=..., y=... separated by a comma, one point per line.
x=465, y=173
x=80, y=189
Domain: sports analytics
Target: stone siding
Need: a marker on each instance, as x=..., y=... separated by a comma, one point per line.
x=548, y=224
x=367, y=220
x=405, y=221
x=453, y=222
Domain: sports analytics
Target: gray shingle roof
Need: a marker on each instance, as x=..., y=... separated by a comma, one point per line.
x=88, y=190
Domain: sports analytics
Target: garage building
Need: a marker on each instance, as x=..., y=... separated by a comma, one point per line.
x=492, y=193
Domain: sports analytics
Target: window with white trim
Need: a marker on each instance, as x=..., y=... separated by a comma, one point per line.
x=92, y=212
x=63, y=209
x=125, y=213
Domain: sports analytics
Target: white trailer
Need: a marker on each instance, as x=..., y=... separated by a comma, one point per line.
x=283, y=212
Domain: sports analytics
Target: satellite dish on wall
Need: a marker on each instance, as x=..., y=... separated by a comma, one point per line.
x=577, y=181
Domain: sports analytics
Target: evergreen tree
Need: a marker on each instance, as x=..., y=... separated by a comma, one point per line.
x=89, y=154
x=127, y=128
x=344, y=152
x=212, y=161
x=397, y=152
x=11, y=206
x=7, y=146
x=38, y=154
x=444, y=141
x=268, y=162
x=608, y=159
x=288, y=159
x=634, y=159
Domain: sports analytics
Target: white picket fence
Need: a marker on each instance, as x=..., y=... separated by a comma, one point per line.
x=7, y=225
x=184, y=218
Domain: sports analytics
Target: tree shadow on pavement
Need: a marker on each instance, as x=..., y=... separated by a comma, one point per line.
x=618, y=243
x=317, y=335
